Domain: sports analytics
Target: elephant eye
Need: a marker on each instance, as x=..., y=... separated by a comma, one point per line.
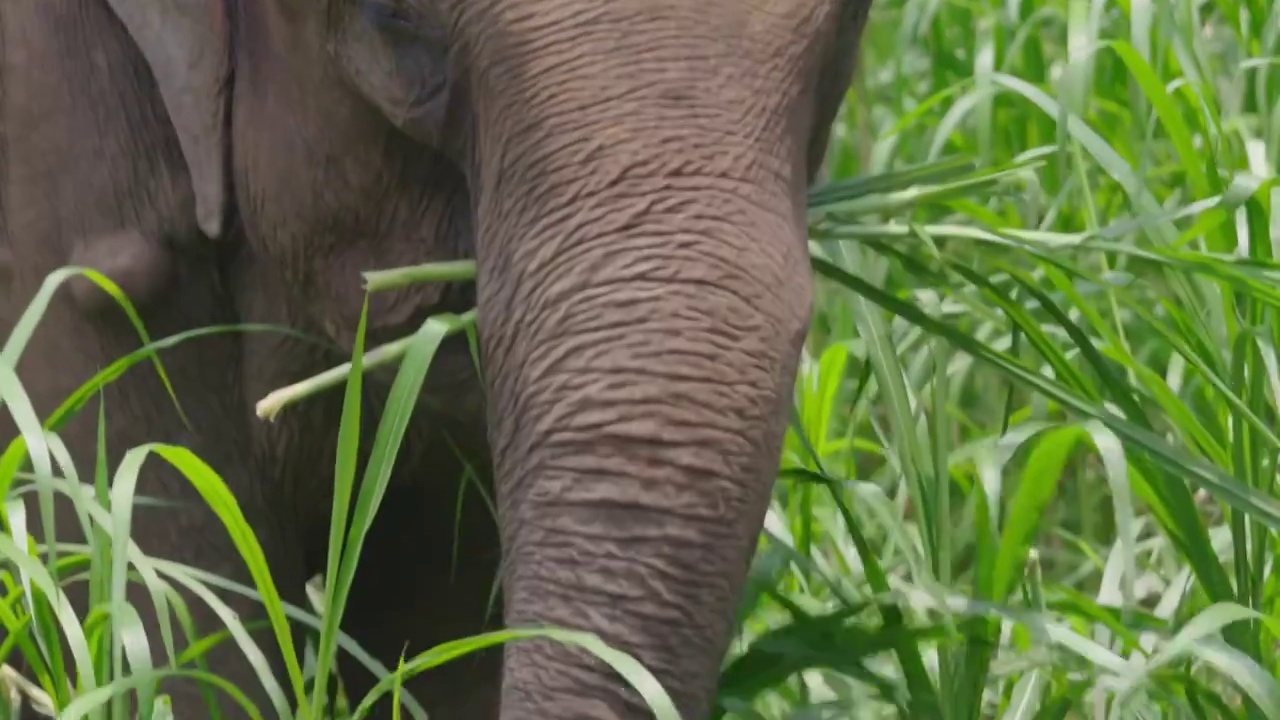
x=388, y=15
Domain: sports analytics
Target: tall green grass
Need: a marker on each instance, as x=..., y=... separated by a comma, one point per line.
x=1031, y=469
x=111, y=655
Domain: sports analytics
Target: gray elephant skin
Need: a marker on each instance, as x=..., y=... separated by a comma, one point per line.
x=629, y=176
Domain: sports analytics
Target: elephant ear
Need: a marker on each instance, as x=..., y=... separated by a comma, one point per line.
x=185, y=43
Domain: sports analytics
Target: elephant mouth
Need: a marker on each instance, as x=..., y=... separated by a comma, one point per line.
x=450, y=395
x=397, y=314
x=452, y=366
x=382, y=333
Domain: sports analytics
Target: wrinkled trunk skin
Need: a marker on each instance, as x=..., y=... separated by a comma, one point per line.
x=644, y=294
x=639, y=388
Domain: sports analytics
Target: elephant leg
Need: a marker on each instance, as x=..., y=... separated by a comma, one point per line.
x=412, y=591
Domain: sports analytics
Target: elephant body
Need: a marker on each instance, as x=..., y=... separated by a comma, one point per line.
x=629, y=176
x=91, y=174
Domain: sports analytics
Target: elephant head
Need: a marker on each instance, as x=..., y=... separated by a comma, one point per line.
x=630, y=176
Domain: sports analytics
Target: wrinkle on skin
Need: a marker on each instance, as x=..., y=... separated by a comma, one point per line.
x=645, y=293
x=630, y=177
x=639, y=191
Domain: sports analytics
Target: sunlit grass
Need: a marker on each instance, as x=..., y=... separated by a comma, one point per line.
x=36, y=613
x=1032, y=468
x=1031, y=472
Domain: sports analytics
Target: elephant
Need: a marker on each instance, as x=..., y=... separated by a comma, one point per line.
x=93, y=174
x=629, y=177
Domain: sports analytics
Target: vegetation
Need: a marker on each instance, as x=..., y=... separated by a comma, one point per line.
x=1032, y=468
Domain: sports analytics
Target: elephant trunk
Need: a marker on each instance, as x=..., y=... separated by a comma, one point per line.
x=640, y=378
x=644, y=292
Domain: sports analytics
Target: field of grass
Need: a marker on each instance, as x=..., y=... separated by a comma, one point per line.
x=1032, y=469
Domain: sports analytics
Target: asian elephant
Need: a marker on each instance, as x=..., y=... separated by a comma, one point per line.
x=630, y=177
